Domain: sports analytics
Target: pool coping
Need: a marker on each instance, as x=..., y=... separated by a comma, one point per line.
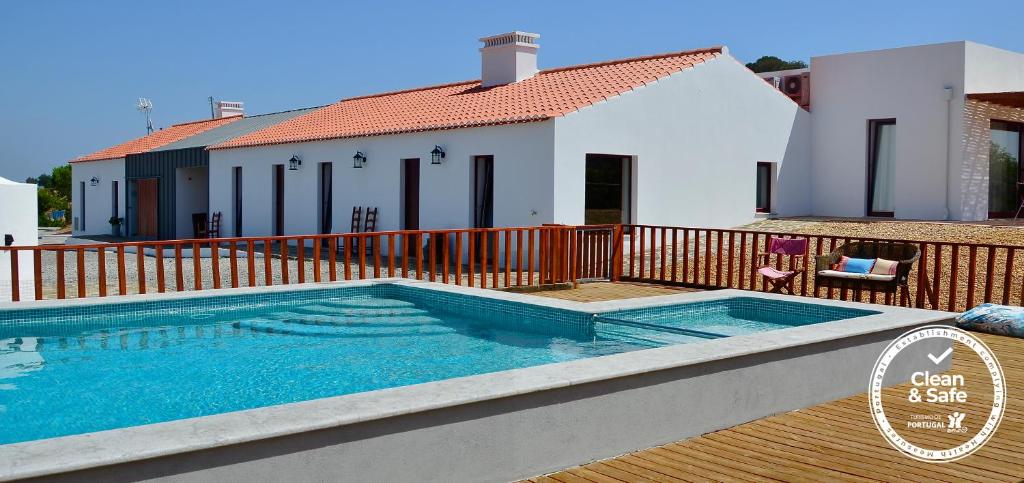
x=78, y=452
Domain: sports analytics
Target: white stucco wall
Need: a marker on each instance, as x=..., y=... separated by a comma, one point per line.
x=192, y=195
x=990, y=69
x=98, y=199
x=973, y=192
x=522, y=175
x=19, y=218
x=907, y=84
x=697, y=136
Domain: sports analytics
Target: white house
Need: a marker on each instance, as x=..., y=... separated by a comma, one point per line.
x=19, y=226
x=98, y=190
x=667, y=139
x=907, y=132
x=689, y=138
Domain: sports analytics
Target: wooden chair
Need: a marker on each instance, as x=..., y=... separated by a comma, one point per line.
x=214, y=230
x=780, y=280
x=370, y=225
x=904, y=253
x=357, y=217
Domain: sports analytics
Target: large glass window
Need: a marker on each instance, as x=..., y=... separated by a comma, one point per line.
x=1004, y=172
x=607, y=197
x=881, y=167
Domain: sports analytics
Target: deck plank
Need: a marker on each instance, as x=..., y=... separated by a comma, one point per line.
x=835, y=441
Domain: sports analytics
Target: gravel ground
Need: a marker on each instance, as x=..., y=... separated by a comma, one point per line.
x=989, y=233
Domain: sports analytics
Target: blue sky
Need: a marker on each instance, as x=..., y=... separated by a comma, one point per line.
x=70, y=72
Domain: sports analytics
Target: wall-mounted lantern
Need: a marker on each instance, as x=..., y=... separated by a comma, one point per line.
x=94, y=181
x=295, y=163
x=436, y=155
x=359, y=160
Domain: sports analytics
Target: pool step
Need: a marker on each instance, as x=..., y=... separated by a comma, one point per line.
x=323, y=309
x=286, y=328
x=368, y=303
x=352, y=321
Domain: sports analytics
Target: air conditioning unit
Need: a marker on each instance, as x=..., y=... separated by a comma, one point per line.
x=772, y=81
x=798, y=88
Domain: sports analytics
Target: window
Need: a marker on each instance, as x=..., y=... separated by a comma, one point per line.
x=881, y=167
x=608, y=195
x=81, y=204
x=326, y=193
x=114, y=200
x=1004, y=169
x=483, y=191
x=764, y=187
x=236, y=186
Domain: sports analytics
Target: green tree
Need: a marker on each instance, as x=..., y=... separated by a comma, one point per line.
x=770, y=63
x=62, y=180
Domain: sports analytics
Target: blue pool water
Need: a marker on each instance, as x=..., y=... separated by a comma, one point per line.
x=66, y=371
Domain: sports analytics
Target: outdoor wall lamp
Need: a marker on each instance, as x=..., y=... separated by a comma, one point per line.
x=94, y=181
x=359, y=160
x=294, y=163
x=436, y=155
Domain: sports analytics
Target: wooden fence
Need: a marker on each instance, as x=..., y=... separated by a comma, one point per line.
x=948, y=276
x=487, y=258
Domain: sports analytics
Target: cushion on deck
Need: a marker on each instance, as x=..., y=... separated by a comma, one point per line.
x=885, y=267
x=993, y=319
x=773, y=273
x=857, y=276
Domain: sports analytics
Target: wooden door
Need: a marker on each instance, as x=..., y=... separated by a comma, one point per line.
x=411, y=177
x=278, y=199
x=148, y=191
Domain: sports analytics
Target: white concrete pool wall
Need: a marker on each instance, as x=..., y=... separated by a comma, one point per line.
x=498, y=426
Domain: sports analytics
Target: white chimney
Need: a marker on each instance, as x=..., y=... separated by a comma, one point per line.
x=228, y=109
x=508, y=58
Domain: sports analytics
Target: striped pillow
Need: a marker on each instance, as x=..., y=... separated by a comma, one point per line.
x=884, y=267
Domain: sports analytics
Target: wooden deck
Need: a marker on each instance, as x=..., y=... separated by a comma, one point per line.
x=595, y=292
x=836, y=441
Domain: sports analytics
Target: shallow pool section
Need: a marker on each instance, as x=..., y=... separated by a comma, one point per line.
x=715, y=319
x=68, y=371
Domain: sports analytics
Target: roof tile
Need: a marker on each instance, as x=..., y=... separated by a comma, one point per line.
x=155, y=140
x=550, y=93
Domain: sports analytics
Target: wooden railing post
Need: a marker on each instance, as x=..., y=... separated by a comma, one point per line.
x=618, y=238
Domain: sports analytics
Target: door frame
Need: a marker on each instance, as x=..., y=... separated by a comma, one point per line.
x=407, y=201
x=1020, y=170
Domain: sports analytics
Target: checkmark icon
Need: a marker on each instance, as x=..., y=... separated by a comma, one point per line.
x=938, y=360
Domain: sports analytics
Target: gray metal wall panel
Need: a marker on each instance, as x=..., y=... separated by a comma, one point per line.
x=162, y=165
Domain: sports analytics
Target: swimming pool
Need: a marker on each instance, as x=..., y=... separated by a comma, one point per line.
x=466, y=382
x=64, y=372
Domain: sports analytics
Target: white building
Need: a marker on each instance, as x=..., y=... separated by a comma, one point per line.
x=688, y=139
x=668, y=139
x=925, y=118
x=19, y=226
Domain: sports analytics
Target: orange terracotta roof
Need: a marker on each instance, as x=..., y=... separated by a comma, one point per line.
x=159, y=138
x=550, y=93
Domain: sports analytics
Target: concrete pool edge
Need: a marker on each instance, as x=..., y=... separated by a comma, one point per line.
x=133, y=444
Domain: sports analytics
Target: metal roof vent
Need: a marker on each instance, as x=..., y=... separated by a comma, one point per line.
x=508, y=58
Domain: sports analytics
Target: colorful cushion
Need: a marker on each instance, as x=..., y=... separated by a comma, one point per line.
x=994, y=319
x=884, y=267
x=857, y=265
x=857, y=276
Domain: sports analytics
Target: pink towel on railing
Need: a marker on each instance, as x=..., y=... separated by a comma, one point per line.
x=788, y=246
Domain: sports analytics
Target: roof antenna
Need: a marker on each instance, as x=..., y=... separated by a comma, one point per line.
x=213, y=113
x=145, y=106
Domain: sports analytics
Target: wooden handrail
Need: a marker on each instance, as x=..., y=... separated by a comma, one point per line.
x=526, y=255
